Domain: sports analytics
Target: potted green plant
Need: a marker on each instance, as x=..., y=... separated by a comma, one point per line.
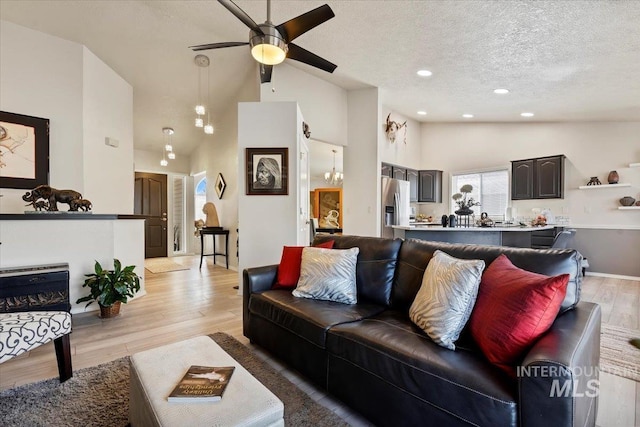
x=110, y=288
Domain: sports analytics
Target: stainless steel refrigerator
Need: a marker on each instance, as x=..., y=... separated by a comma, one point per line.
x=395, y=205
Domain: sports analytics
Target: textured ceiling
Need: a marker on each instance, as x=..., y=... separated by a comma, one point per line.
x=562, y=60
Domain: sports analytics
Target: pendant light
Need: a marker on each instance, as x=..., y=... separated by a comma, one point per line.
x=333, y=177
x=201, y=61
x=168, y=147
x=208, y=128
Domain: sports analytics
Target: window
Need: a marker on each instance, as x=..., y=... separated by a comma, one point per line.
x=490, y=188
x=201, y=194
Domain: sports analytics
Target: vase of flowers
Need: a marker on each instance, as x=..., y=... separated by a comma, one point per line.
x=464, y=202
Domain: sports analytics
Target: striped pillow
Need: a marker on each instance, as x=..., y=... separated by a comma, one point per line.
x=328, y=274
x=446, y=297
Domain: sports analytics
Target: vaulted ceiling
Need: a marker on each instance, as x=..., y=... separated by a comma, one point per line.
x=561, y=60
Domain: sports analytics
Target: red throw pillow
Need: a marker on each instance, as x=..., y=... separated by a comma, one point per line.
x=289, y=268
x=514, y=308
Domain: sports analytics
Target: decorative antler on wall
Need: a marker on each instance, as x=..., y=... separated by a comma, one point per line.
x=392, y=128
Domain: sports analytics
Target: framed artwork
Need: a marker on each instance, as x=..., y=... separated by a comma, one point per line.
x=220, y=185
x=267, y=171
x=24, y=151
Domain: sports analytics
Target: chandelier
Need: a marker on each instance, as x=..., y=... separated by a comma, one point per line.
x=333, y=177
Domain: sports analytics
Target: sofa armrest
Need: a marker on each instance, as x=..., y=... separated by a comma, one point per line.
x=558, y=380
x=255, y=279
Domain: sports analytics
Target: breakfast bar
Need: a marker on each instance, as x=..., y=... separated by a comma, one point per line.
x=516, y=236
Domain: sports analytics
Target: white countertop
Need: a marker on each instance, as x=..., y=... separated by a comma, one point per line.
x=427, y=227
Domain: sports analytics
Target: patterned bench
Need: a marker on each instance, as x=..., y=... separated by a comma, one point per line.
x=22, y=332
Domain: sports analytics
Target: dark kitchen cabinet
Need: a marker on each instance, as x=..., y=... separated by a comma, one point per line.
x=399, y=173
x=412, y=177
x=430, y=186
x=540, y=178
x=522, y=180
x=387, y=170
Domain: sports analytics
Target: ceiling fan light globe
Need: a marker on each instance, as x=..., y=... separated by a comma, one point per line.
x=268, y=48
x=268, y=54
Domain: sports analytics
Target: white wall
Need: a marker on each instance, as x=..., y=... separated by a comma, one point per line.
x=92, y=240
x=219, y=153
x=45, y=76
x=399, y=153
x=592, y=149
x=107, y=112
x=324, y=105
x=41, y=76
x=361, y=187
x=267, y=223
x=149, y=161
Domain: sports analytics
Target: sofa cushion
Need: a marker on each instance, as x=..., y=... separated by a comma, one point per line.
x=289, y=267
x=308, y=319
x=328, y=275
x=448, y=293
x=415, y=255
x=376, y=264
x=514, y=308
x=390, y=347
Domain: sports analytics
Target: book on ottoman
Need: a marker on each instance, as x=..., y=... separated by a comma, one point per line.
x=202, y=384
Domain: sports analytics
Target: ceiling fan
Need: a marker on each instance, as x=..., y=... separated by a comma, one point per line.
x=271, y=44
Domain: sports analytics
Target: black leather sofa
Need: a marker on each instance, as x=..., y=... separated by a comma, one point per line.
x=371, y=356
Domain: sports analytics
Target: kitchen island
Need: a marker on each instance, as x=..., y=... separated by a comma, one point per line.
x=514, y=236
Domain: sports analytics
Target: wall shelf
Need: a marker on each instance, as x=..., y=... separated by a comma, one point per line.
x=593, y=187
x=630, y=208
x=634, y=165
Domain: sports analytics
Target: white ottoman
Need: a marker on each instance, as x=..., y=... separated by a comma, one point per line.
x=155, y=372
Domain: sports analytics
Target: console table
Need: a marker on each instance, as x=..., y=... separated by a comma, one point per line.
x=214, y=231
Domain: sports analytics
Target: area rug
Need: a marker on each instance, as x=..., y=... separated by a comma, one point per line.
x=99, y=396
x=162, y=265
x=617, y=355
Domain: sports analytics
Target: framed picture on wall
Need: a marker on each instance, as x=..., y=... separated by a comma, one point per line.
x=24, y=151
x=267, y=171
x=220, y=185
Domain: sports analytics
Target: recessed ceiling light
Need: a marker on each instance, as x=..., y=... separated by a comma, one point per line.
x=422, y=113
x=468, y=116
x=527, y=114
x=501, y=91
x=424, y=73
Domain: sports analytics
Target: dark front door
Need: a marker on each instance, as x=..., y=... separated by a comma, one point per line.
x=150, y=199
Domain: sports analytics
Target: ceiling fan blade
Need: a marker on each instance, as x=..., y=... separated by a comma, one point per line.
x=217, y=45
x=299, y=25
x=265, y=73
x=241, y=15
x=299, y=54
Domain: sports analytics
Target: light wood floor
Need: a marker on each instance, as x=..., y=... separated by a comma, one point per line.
x=188, y=303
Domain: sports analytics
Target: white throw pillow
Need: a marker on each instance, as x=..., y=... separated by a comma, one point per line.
x=328, y=274
x=446, y=297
